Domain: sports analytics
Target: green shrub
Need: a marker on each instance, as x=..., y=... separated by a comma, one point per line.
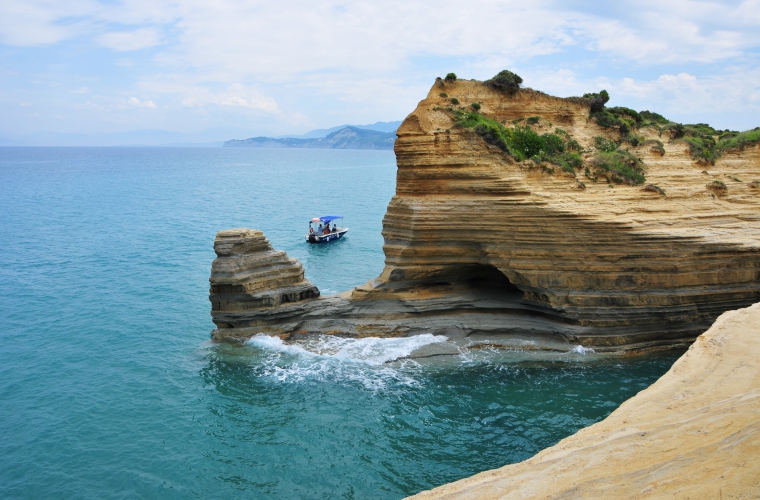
x=506, y=81
x=620, y=167
x=526, y=143
x=633, y=139
x=653, y=118
x=740, y=140
x=454, y=101
x=475, y=106
x=597, y=100
x=443, y=94
x=702, y=148
x=605, y=145
x=523, y=143
x=625, y=119
x=532, y=120
x=553, y=144
x=451, y=77
x=561, y=132
x=573, y=145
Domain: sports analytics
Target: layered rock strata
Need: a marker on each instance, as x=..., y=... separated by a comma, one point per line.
x=249, y=276
x=475, y=241
x=695, y=433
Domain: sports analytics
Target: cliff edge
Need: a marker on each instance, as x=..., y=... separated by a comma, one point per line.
x=695, y=433
x=623, y=239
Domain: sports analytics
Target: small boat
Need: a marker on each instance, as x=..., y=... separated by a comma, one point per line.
x=321, y=232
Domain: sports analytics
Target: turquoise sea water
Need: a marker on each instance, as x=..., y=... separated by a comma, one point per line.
x=110, y=388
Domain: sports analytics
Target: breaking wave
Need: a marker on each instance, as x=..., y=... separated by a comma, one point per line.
x=364, y=361
x=579, y=349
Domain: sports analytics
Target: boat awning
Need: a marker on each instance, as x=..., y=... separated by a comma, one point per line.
x=326, y=218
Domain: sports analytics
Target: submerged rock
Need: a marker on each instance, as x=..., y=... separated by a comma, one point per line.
x=476, y=241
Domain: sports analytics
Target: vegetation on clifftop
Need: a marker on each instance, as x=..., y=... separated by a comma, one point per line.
x=523, y=143
x=706, y=144
x=506, y=81
x=610, y=159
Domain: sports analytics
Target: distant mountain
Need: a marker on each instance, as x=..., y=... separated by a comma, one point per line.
x=346, y=138
x=212, y=137
x=324, y=132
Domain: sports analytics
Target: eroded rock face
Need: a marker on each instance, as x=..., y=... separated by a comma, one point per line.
x=475, y=241
x=249, y=276
x=692, y=434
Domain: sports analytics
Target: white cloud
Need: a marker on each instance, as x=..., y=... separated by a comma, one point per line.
x=36, y=22
x=306, y=56
x=236, y=95
x=134, y=102
x=124, y=41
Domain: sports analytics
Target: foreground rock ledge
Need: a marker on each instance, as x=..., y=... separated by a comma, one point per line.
x=695, y=433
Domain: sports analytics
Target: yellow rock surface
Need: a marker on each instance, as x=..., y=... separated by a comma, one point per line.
x=601, y=257
x=695, y=433
x=477, y=242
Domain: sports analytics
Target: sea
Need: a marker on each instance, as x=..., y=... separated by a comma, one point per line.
x=111, y=388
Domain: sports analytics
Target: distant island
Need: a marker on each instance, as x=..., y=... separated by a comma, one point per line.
x=348, y=137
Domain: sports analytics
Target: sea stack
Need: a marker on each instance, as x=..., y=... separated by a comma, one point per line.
x=477, y=239
x=249, y=279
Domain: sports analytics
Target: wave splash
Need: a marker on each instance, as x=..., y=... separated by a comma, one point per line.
x=326, y=357
x=582, y=350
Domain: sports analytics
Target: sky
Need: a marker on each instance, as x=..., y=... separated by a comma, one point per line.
x=284, y=67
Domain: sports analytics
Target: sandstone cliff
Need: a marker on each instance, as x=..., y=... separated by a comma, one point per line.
x=695, y=433
x=477, y=241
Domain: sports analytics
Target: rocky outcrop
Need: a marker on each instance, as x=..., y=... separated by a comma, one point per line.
x=695, y=433
x=248, y=276
x=475, y=241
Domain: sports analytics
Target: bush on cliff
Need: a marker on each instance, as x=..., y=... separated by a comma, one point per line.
x=702, y=148
x=605, y=145
x=653, y=118
x=731, y=140
x=622, y=118
x=506, y=81
x=451, y=77
x=620, y=167
x=520, y=142
x=597, y=100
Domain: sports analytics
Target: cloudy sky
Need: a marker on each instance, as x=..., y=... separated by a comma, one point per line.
x=284, y=66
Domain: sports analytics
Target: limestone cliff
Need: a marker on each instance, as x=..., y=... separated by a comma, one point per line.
x=478, y=241
x=695, y=433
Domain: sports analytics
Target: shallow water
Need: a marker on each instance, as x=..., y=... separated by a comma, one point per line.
x=109, y=386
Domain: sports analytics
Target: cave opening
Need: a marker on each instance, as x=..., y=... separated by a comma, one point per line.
x=481, y=278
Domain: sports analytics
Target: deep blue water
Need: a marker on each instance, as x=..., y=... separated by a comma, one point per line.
x=110, y=388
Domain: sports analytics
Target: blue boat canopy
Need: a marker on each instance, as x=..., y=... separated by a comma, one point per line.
x=327, y=218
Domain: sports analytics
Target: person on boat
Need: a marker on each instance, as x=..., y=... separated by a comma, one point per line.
x=311, y=230
x=319, y=230
x=327, y=229
x=334, y=229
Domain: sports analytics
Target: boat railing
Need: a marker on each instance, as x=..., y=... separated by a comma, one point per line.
x=323, y=234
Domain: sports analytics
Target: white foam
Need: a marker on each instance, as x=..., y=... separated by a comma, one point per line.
x=328, y=357
x=579, y=349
